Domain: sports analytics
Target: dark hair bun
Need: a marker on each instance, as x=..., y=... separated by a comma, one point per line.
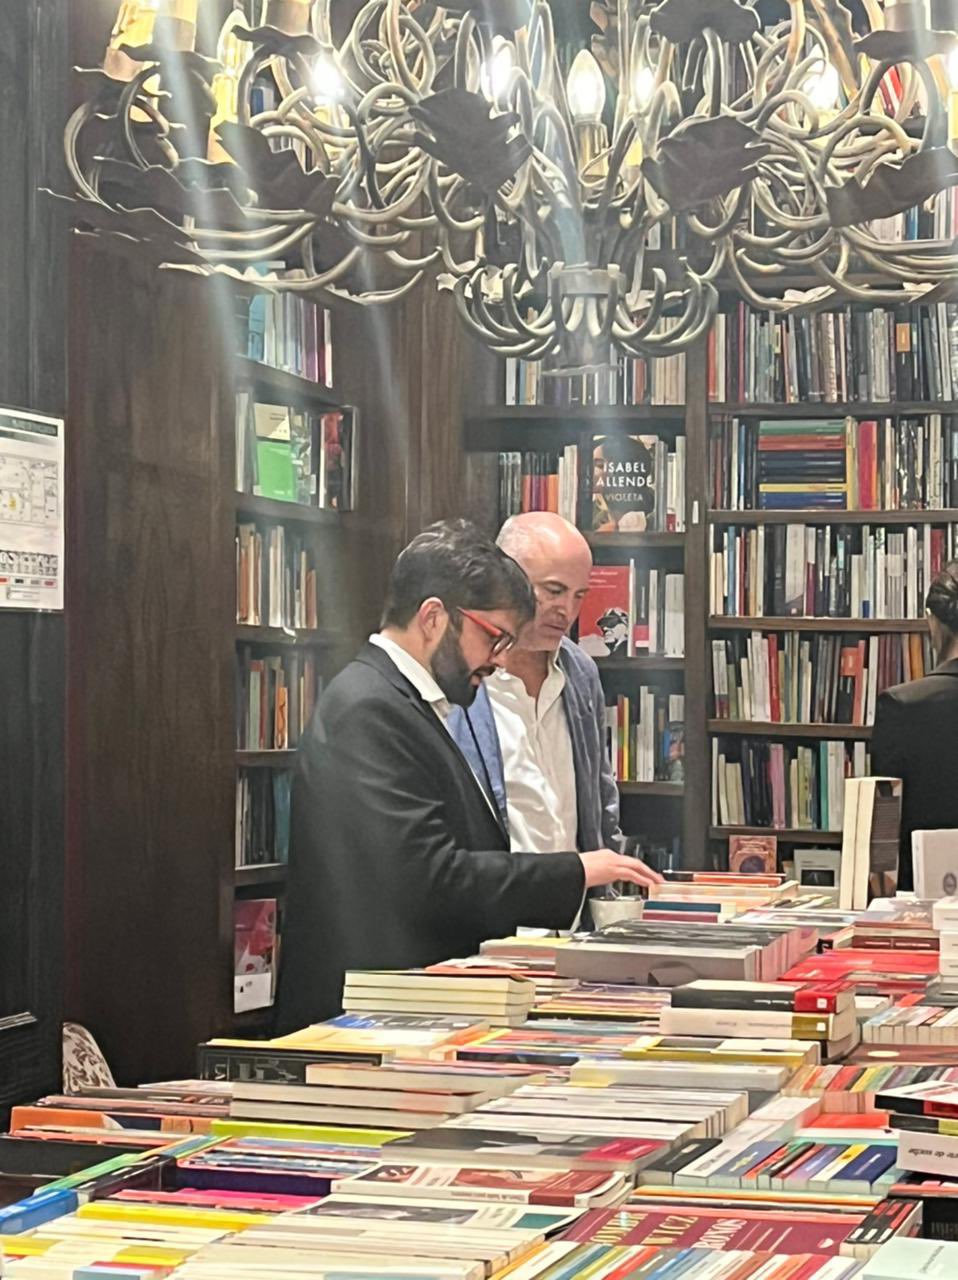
x=942, y=598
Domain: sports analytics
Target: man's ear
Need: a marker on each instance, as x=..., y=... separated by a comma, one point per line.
x=433, y=619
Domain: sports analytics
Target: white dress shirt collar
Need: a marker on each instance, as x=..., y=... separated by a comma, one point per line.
x=422, y=681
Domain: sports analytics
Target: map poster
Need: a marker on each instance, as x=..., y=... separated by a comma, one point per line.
x=31, y=510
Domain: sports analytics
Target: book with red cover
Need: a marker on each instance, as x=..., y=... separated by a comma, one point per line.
x=563, y=1188
x=885, y=972
x=684, y=1226
x=605, y=623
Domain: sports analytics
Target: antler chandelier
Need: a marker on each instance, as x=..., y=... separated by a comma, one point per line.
x=447, y=140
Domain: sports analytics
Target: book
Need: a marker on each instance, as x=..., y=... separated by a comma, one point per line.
x=910, y=1258
x=870, y=843
x=255, y=942
x=605, y=619
x=624, y=479
x=579, y=1188
x=505, y=1148
x=753, y=855
x=935, y=863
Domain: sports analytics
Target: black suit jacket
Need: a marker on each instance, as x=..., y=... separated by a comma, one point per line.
x=397, y=858
x=916, y=739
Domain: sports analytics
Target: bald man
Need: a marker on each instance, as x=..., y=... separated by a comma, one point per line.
x=535, y=735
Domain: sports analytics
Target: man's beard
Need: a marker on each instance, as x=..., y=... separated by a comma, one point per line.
x=451, y=673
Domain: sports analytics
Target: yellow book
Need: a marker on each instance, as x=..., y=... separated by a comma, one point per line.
x=824, y=1176
x=169, y=1215
x=306, y=1133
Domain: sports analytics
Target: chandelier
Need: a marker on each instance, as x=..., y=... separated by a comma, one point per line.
x=571, y=210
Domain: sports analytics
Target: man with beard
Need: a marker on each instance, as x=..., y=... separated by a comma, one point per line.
x=400, y=856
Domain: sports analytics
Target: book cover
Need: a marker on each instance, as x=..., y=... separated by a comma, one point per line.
x=254, y=952
x=623, y=483
x=606, y=617
x=765, y=1229
x=753, y=855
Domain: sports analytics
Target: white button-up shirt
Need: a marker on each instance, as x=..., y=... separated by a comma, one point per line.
x=537, y=762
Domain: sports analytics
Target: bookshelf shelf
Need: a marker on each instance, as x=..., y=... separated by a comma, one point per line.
x=520, y=413
x=266, y=759
x=630, y=541
x=947, y=515
x=818, y=409
x=772, y=729
x=642, y=662
x=251, y=505
x=673, y=790
x=278, y=635
x=261, y=873
x=787, y=835
x=279, y=382
x=866, y=626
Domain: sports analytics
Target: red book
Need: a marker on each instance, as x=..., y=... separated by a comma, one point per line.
x=687, y=1226
x=774, y=694
x=606, y=616
x=819, y=997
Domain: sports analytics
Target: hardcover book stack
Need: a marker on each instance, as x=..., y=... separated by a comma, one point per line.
x=755, y=1010
x=706, y=897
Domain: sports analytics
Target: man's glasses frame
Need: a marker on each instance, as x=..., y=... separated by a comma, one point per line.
x=502, y=641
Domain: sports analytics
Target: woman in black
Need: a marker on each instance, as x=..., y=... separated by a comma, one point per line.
x=916, y=729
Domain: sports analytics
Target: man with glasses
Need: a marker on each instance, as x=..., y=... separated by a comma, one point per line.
x=400, y=856
x=537, y=728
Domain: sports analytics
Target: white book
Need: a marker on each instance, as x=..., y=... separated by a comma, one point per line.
x=935, y=862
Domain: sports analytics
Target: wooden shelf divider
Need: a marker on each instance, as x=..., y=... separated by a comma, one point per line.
x=787, y=835
x=279, y=635
x=266, y=759
x=865, y=626
x=774, y=729
x=673, y=790
x=281, y=382
x=261, y=873
x=820, y=516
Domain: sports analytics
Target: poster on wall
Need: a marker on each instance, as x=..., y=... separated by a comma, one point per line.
x=31, y=510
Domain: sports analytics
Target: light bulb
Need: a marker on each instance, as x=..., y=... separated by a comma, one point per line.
x=823, y=87
x=643, y=86
x=327, y=80
x=951, y=68
x=586, y=89
x=494, y=77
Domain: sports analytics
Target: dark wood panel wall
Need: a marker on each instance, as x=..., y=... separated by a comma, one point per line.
x=33, y=57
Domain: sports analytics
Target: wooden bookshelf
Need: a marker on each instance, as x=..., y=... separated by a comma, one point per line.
x=317, y=639
x=633, y=541
x=865, y=626
x=500, y=428
x=809, y=516
x=641, y=662
x=281, y=384
x=775, y=729
x=670, y=790
x=785, y=835
x=263, y=873
x=257, y=508
x=266, y=759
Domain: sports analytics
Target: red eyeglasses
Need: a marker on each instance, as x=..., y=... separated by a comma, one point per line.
x=502, y=641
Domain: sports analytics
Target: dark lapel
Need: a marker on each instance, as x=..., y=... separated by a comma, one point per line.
x=373, y=656
x=949, y=668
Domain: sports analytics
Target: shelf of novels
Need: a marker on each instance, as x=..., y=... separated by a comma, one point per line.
x=265, y=873
x=782, y=729
x=785, y=835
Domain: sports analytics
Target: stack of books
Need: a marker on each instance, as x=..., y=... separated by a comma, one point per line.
x=750, y=1010
x=924, y=1118
x=498, y=998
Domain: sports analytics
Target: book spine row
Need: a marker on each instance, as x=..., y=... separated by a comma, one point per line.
x=827, y=571
x=888, y=464
x=833, y=357
x=778, y=785
x=308, y=461
x=646, y=737
x=275, y=578
x=262, y=816
x=541, y=480
x=275, y=697
x=290, y=333
x=819, y=679
x=629, y=380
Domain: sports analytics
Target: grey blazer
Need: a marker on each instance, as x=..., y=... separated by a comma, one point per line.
x=597, y=797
